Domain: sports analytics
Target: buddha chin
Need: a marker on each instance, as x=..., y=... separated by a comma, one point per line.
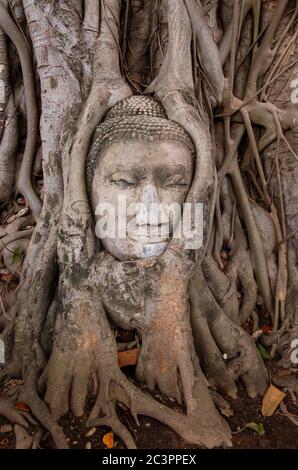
x=126, y=250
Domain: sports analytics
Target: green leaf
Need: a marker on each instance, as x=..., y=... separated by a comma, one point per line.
x=17, y=255
x=258, y=428
x=265, y=354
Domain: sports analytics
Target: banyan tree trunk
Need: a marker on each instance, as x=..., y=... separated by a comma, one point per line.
x=225, y=71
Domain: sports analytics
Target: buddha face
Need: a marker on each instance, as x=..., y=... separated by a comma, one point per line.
x=149, y=179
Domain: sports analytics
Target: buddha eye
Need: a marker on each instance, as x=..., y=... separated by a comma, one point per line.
x=123, y=182
x=176, y=181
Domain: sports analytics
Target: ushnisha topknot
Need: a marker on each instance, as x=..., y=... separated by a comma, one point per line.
x=139, y=118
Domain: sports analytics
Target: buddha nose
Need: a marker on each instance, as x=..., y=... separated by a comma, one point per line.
x=150, y=195
x=156, y=215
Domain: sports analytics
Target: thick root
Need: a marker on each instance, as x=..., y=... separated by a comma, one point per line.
x=210, y=355
x=78, y=356
x=39, y=409
x=242, y=357
x=23, y=439
x=8, y=411
x=193, y=428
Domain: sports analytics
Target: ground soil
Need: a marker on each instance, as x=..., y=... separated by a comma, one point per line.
x=280, y=433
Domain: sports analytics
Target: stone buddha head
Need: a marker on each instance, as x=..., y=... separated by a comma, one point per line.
x=139, y=171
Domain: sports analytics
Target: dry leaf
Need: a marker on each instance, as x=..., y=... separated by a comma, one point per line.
x=128, y=358
x=7, y=277
x=22, y=407
x=271, y=400
x=266, y=328
x=108, y=440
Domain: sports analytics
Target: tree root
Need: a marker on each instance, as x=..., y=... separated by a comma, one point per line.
x=77, y=355
x=7, y=409
x=8, y=148
x=23, y=439
x=210, y=355
x=224, y=292
x=25, y=183
x=242, y=356
x=190, y=427
x=116, y=388
x=39, y=409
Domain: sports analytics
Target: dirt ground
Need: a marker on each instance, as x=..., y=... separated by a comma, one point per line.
x=280, y=432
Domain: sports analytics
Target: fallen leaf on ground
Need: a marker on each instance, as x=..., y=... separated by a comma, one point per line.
x=266, y=328
x=7, y=277
x=128, y=358
x=265, y=354
x=108, y=440
x=258, y=428
x=22, y=407
x=271, y=400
